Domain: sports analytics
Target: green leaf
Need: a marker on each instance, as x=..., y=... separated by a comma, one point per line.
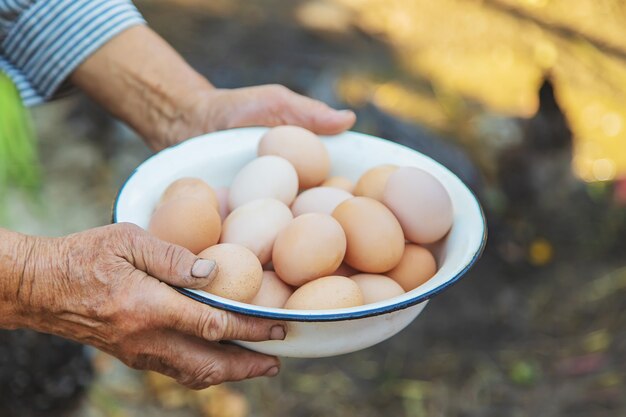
x=19, y=164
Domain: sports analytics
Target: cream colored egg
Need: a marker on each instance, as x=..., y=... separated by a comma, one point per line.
x=319, y=200
x=420, y=203
x=374, y=236
x=326, y=293
x=416, y=267
x=302, y=148
x=265, y=177
x=311, y=246
x=372, y=182
x=239, y=272
x=190, y=187
x=342, y=183
x=255, y=225
x=377, y=288
x=273, y=292
x=222, y=198
x=187, y=221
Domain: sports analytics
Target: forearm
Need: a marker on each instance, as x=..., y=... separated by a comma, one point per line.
x=15, y=250
x=141, y=80
x=24, y=262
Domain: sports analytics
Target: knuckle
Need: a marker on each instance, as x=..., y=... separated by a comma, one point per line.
x=175, y=257
x=127, y=235
x=209, y=373
x=139, y=361
x=129, y=228
x=279, y=93
x=212, y=325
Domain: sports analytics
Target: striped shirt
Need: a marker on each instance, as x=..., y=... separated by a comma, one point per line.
x=43, y=41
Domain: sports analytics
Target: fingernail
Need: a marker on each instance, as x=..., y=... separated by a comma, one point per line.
x=345, y=112
x=277, y=333
x=202, y=268
x=273, y=371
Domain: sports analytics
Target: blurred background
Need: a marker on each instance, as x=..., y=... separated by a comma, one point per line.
x=524, y=99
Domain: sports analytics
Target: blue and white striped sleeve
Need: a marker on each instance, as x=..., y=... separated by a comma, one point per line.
x=43, y=41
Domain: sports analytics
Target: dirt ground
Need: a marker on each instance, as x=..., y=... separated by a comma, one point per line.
x=537, y=328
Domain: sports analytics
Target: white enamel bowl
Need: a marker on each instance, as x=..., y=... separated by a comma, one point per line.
x=217, y=157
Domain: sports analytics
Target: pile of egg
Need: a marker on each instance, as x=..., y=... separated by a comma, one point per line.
x=334, y=245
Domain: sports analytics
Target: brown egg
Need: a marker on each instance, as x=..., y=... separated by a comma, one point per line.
x=375, y=240
x=265, y=177
x=273, y=293
x=326, y=293
x=255, y=225
x=222, y=198
x=188, y=222
x=319, y=200
x=420, y=203
x=302, y=148
x=190, y=187
x=416, y=267
x=239, y=272
x=376, y=288
x=345, y=270
x=311, y=246
x=372, y=182
x=342, y=183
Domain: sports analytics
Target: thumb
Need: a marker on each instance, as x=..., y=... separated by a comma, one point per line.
x=170, y=263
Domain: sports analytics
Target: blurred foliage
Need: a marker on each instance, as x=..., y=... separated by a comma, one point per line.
x=18, y=154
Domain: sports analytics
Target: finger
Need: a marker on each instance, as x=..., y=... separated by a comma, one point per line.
x=314, y=115
x=198, y=364
x=167, y=262
x=273, y=105
x=178, y=312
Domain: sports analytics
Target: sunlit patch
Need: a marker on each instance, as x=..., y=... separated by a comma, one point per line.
x=603, y=169
x=540, y=252
x=612, y=124
x=483, y=53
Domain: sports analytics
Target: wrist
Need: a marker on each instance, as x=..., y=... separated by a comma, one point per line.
x=28, y=263
x=140, y=79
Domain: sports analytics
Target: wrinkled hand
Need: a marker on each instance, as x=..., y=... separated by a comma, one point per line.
x=107, y=287
x=265, y=105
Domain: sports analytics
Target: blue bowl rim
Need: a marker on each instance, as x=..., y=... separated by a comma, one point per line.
x=317, y=317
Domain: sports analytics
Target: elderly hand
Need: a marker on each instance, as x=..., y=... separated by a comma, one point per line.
x=139, y=78
x=107, y=287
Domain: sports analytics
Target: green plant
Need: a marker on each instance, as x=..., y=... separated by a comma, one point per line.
x=19, y=164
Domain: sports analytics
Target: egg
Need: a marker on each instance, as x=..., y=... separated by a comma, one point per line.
x=319, y=200
x=420, y=203
x=372, y=182
x=255, y=225
x=376, y=288
x=190, y=187
x=416, y=267
x=273, y=292
x=265, y=177
x=302, y=148
x=325, y=293
x=187, y=221
x=345, y=270
x=342, y=183
x=311, y=246
x=222, y=199
x=374, y=236
x=239, y=272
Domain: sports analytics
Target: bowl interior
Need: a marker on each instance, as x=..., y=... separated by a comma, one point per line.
x=217, y=157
